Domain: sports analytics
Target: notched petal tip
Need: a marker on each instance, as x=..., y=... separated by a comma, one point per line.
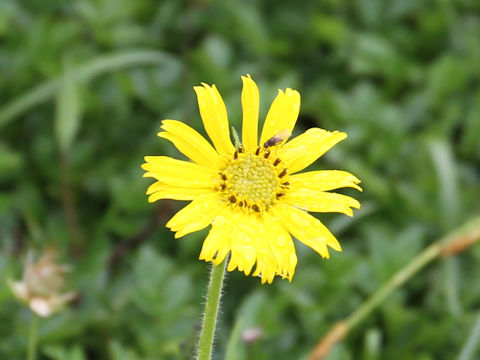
x=348, y=212
x=247, y=78
x=152, y=198
x=147, y=166
x=200, y=91
x=354, y=181
x=355, y=204
x=290, y=93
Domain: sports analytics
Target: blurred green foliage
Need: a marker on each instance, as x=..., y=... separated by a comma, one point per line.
x=83, y=87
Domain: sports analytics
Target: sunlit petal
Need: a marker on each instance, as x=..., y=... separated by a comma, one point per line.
x=250, y=108
x=214, y=116
x=306, y=229
x=283, y=114
x=190, y=143
x=324, y=180
x=196, y=215
x=178, y=172
x=308, y=147
x=315, y=201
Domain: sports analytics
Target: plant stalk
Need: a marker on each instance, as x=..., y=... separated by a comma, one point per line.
x=456, y=242
x=32, y=338
x=205, y=342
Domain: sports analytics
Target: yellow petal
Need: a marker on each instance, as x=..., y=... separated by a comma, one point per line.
x=178, y=172
x=282, y=115
x=160, y=191
x=190, y=143
x=217, y=243
x=232, y=232
x=276, y=251
x=245, y=237
x=308, y=147
x=316, y=201
x=156, y=186
x=214, y=116
x=196, y=215
x=324, y=180
x=250, y=108
x=251, y=240
x=306, y=229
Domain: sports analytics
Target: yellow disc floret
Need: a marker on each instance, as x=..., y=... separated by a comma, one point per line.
x=253, y=181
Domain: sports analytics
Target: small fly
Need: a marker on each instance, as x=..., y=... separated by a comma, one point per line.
x=278, y=138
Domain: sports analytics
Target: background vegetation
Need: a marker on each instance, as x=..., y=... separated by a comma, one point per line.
x=83, y=87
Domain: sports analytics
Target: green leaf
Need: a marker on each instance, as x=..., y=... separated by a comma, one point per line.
x=67, y=119
x=119, y=352
x=57, y=352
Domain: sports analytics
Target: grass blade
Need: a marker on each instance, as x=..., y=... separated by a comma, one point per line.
x=98, y=66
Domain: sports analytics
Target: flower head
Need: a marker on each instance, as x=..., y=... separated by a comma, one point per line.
x=41, y=285
x=251, y=194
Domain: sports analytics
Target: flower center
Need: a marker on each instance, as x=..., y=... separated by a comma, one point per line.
x=253, y=181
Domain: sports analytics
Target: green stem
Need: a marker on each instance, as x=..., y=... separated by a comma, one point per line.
x=468, y=233
x=32, y=338
x=211, y=310
x=398, y=280
x=459, y=240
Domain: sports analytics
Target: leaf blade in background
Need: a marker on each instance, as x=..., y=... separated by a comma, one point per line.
x=68, y=110
x=95, y=67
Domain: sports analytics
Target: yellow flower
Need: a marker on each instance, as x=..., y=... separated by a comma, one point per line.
x=252, y=195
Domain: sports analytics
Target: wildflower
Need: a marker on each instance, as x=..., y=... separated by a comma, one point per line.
x=41, y=285
x=251, y=194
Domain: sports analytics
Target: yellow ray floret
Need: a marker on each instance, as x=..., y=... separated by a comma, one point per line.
x=307, y=229
x=250, y=109
x=324, y=180
x=177, y=172
x=214, y=116
x=195, y=216
x=308, y=147
x=319, y=201
x=283, y=114
x=190, y=143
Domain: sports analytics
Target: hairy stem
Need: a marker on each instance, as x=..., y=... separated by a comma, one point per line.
x=205, y=343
